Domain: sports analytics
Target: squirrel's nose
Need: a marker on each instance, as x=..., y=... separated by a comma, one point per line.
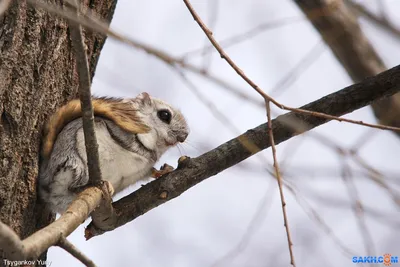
x=182, y=137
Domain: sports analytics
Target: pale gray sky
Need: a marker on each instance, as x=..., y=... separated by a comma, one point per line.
x=235, y=218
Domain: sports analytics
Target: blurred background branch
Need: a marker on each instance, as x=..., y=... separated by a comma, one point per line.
x=340, y=30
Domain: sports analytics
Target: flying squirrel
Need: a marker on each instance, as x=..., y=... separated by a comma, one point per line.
x=132, y=134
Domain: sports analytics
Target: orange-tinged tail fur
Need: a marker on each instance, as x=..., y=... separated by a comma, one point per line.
x=121, y=113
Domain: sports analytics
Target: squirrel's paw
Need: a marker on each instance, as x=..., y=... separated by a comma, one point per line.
x=163, y=170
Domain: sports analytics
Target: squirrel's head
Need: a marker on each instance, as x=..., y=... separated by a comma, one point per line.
x=167, y=124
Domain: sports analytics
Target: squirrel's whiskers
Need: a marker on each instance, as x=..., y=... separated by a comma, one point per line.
x=192, y=145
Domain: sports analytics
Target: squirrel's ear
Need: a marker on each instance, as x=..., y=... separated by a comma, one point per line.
x=144, y=98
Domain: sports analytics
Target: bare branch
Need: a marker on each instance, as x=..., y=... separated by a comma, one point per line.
x=358, y=208
x=82, y=66
x=376, y=177
x=237, y=39
x=254, y=225
x=74, y=251
x=319, y=220
x=213, y=7
x=291, y=76
x=373, y=213
x=192, y=171
x=279, y=179
x=38, y=242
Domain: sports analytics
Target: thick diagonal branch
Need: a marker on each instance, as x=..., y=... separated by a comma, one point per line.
x=193, y=171
x=340, y=30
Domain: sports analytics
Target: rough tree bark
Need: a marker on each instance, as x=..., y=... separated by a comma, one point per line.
x=37, y=74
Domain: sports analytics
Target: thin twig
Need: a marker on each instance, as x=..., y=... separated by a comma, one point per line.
x=213, y=10
x=313, y=172
x=304, y=63
x=357, y=208
x=376, y=177
x=82, y=66
x=363, y=140
x=374, y=213
x=74, y=251
x=314, y=216
x=279, y=179
x=254, y=225
x=237, y=39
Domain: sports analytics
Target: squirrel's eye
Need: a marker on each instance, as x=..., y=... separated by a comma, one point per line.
x=164, y=115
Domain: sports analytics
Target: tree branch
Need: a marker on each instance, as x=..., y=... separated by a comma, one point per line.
x=341, y=32
x=193, y=171
x=37, y=243
x=85, y=96
x=280, y=184
x=74, y=251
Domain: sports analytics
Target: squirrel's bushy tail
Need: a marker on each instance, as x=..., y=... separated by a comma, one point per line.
x=120, y=112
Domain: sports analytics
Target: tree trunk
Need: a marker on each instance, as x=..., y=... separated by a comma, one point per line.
x=37, y=75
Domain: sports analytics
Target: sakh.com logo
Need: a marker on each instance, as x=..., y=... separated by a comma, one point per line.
x=386, y=259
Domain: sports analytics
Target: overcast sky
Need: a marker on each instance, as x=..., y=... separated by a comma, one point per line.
x=235, y=217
